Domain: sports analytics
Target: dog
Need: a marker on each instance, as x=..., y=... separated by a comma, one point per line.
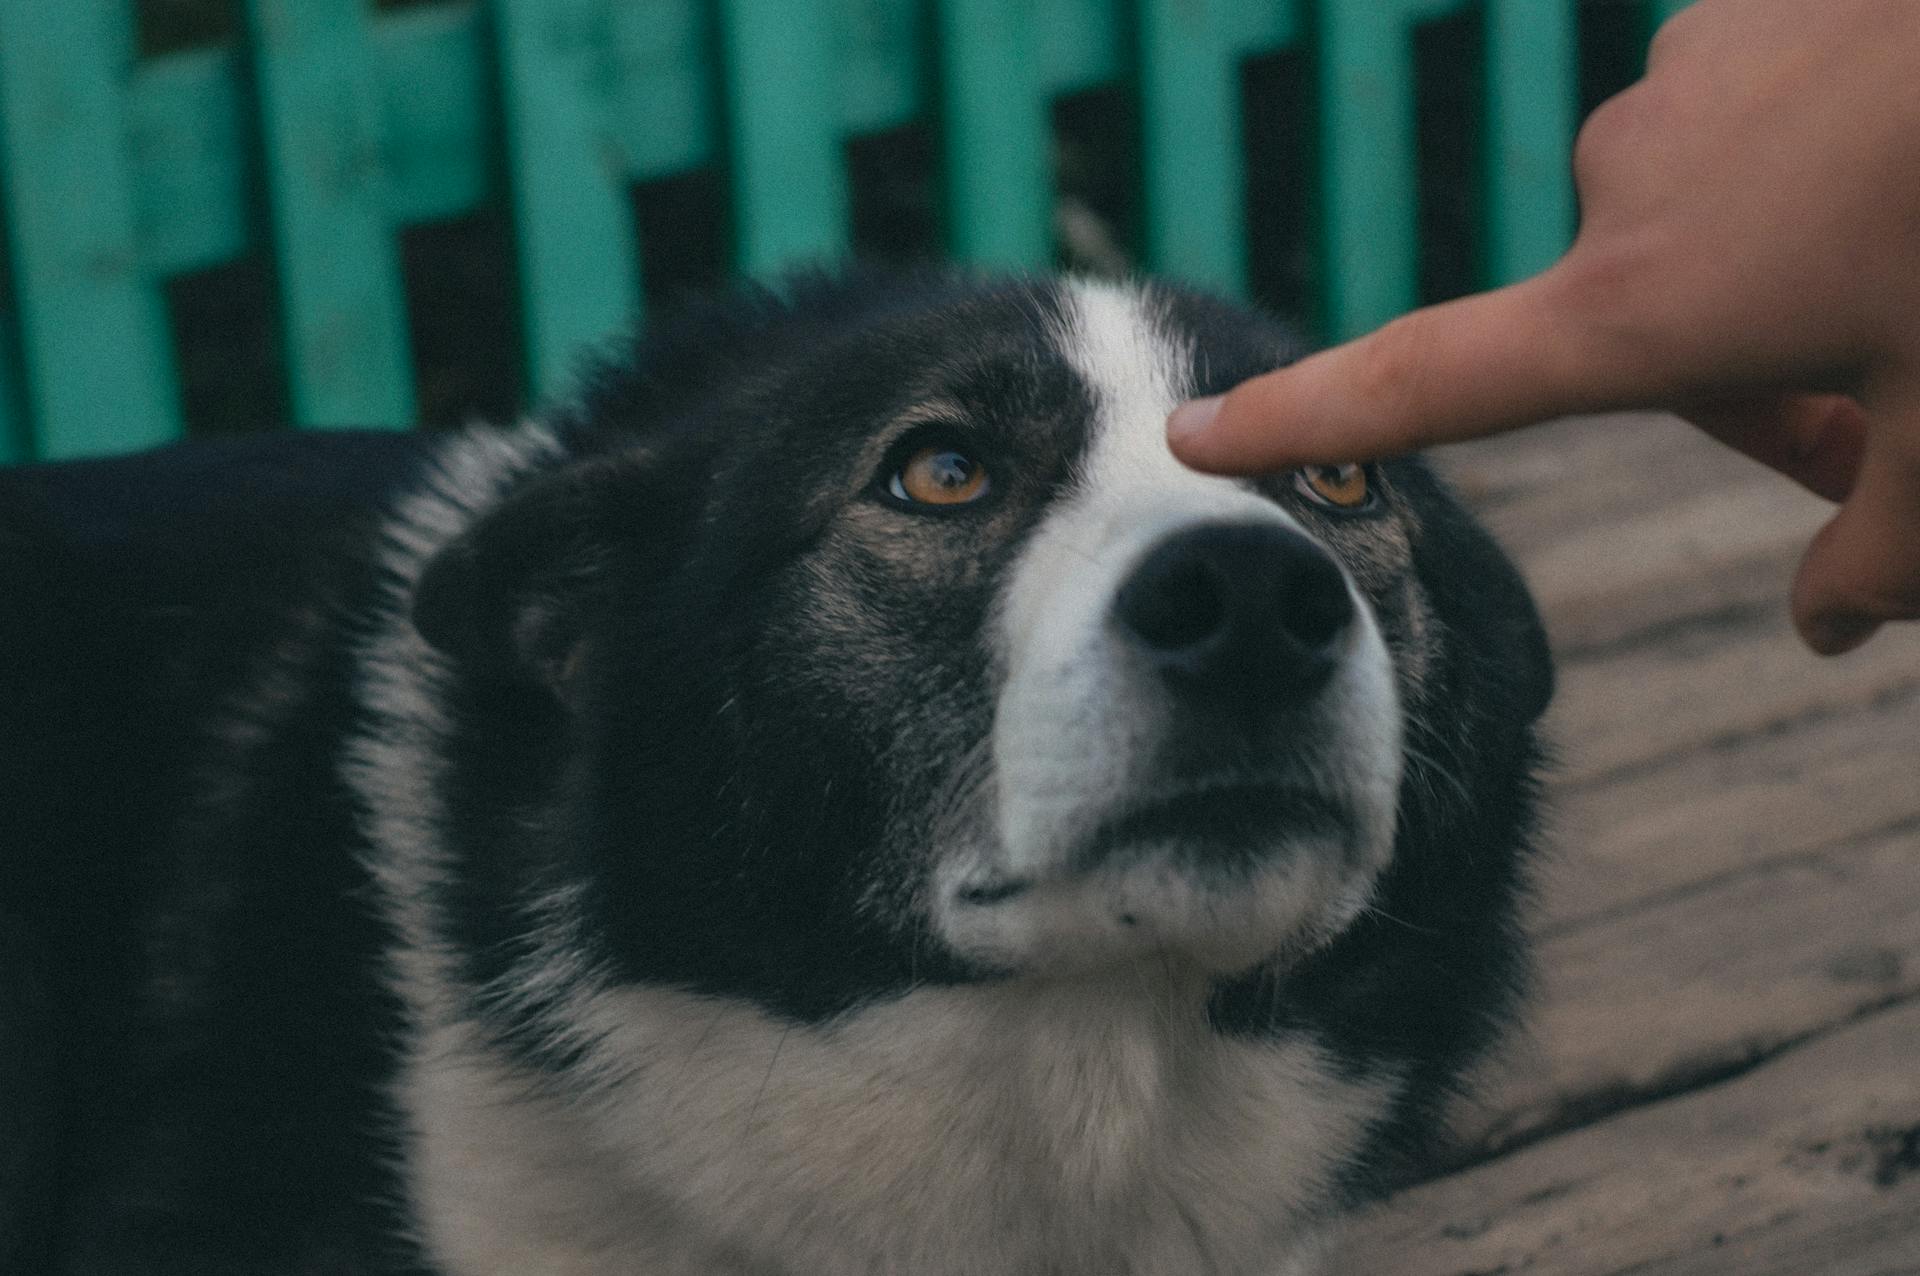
x=834, y=797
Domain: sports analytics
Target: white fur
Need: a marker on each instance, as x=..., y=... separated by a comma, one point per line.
x=391, y=762
x=1077, y=1129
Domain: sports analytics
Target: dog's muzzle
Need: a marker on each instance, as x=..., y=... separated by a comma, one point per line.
x=1198, y=752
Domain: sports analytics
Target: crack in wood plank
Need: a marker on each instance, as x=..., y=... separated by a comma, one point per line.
x=1777, y=1171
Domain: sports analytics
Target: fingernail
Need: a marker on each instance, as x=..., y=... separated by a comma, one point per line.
x=1836, y=633
x=1193, y=417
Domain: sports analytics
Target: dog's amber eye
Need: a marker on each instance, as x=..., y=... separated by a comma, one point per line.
x=939, y=476
x=1341, y=486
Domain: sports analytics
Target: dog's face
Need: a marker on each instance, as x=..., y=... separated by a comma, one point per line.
x=917, y=658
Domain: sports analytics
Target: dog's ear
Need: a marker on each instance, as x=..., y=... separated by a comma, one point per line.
x=511, y=596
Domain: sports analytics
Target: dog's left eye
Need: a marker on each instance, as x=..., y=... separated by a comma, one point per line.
x=939, y=475
x=1340, y=486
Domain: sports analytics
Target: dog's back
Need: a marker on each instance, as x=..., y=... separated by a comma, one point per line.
x=142, y=595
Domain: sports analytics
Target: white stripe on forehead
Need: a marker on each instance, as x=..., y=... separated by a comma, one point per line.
x=1137, y=373
x=1137, y=369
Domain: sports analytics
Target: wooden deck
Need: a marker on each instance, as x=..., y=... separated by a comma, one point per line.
x=1723, y=1068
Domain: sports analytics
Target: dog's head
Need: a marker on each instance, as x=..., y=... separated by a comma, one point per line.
x=877, y=639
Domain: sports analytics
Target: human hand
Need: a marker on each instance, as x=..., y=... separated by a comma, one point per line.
x=1749, y=256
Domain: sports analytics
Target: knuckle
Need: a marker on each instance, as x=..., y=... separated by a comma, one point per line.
x=1669, y=38
x=1612, y=134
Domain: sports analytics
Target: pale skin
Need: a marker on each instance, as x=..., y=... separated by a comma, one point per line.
x=1749, y=257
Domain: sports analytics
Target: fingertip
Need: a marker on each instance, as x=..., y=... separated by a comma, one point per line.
x=1862, y=569
x=1188, y=425
x=1835, y=633
x=1250, y=429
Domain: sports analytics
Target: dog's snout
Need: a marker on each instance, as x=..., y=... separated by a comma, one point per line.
x=1237, y=609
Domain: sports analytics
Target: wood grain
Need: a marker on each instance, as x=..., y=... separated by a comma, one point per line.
x=1808, y=1164
x=1657, y=998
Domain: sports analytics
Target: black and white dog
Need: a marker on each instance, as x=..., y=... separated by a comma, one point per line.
x=837, y=799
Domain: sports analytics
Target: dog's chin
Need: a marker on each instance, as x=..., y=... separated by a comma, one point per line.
x=1219, y=909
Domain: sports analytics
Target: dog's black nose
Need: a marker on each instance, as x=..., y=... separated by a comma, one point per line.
x=1251, y=610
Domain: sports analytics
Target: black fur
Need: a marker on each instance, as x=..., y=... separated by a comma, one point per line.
x=651, y=707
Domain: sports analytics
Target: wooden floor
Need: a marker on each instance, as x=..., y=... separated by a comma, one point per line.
x=1723, y=1068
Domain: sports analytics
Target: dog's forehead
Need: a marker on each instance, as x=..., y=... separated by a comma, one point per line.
x=1136, y=362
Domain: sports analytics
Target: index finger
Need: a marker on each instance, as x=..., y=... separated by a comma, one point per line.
x=1459, y=370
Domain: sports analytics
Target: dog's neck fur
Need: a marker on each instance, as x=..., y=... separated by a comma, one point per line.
x=1100, y=1126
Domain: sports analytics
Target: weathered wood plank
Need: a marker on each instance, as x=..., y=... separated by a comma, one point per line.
x=1728, y=549
x=1543, y=485
x=1726, y=810
x=1806, y=1164
x=1651, y=701
x=1565, y=475
x=1639, y=1003
x=1625, y=524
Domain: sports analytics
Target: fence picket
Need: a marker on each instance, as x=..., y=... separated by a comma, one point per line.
x=1369, y=194
x=1192, y=158
x=430, y=74
x=1366, y=166
x=97, y=367
x=574, y=229
x=119, y=174
x=790, y=200
x=999, y=195
x=1532, y=92
x=343, y=309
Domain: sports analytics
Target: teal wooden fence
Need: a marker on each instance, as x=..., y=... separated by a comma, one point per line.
x=325, y=127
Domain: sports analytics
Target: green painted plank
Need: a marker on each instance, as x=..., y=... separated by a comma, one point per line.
x=994, y=133
x=436, y=110
x=1368, y=180
x=1264, y=26
x=431, y=65
x=1078, y=44
x=97, y=369
x=342, y=305
x=1194, y=173
x=881, y=83
x=574, y=231
x=1664, y=9
x=664, y=90
x=185, y=139
x=1533, y=96
x=788, y=169
x=1368, y=205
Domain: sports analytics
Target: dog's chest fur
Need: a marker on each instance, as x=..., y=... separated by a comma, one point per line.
x=1095, y=1129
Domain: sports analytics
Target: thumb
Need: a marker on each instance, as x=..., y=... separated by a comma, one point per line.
x=1863, y=568
x=1479, y=365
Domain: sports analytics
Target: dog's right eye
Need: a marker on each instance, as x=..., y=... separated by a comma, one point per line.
x=939, y=475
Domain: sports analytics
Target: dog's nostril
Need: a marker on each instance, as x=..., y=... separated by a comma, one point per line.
x=1172, y=604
